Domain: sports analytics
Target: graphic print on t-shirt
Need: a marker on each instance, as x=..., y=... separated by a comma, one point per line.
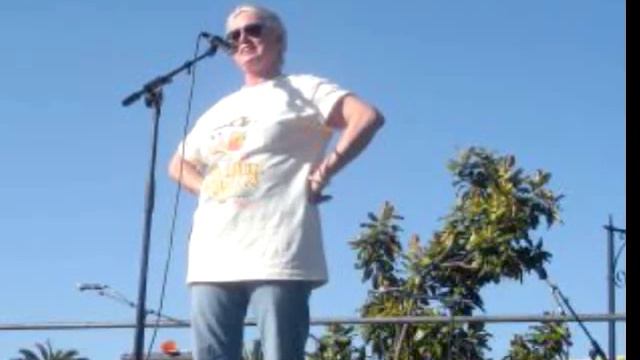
x=230, y=176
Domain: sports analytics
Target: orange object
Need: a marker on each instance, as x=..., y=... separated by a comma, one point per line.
x=169, y=347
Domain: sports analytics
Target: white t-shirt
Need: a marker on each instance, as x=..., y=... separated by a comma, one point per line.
x=255, y=149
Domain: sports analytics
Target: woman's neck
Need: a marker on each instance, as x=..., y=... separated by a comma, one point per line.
x=251, y=79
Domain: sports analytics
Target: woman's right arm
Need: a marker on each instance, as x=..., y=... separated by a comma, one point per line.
x=185, y=172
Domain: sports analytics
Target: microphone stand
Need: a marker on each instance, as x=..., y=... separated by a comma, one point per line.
x=596, y=351
x=152, y=92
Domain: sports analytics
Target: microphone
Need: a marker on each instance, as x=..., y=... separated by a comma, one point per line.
x=215, y=41
x=86, y=286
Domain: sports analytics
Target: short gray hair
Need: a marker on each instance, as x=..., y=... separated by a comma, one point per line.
x=270, y=18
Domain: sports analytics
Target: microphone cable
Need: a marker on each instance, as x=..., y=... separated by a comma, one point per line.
x=185, y=129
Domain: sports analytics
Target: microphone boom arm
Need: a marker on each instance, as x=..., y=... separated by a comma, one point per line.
x=162, y=80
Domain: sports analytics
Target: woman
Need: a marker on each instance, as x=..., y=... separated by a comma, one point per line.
x=257, y=162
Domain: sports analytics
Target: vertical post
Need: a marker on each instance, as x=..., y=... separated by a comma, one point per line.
x=152, y=100
x=611, y=287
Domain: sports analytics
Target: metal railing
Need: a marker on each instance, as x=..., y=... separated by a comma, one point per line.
x=492, y=319
x=97, y=325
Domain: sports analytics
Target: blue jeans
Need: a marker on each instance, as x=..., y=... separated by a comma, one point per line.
x=218, y=311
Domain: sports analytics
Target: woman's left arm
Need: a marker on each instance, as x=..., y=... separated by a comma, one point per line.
x=358, y=123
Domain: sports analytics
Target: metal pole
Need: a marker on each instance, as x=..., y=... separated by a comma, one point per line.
x=154, y=101
x=611, y=287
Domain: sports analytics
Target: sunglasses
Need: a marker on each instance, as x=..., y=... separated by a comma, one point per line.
x=253, y=30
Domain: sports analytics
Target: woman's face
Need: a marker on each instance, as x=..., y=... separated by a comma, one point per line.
x=257, y=45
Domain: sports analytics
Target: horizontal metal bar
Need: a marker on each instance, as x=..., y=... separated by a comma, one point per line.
x=86, y=325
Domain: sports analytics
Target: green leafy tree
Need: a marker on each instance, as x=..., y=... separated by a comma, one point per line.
x=487, y=237
x=548, y=341
x=46, y=352
x=337, y=344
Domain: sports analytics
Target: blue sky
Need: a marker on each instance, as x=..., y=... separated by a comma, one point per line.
x=543, y=80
